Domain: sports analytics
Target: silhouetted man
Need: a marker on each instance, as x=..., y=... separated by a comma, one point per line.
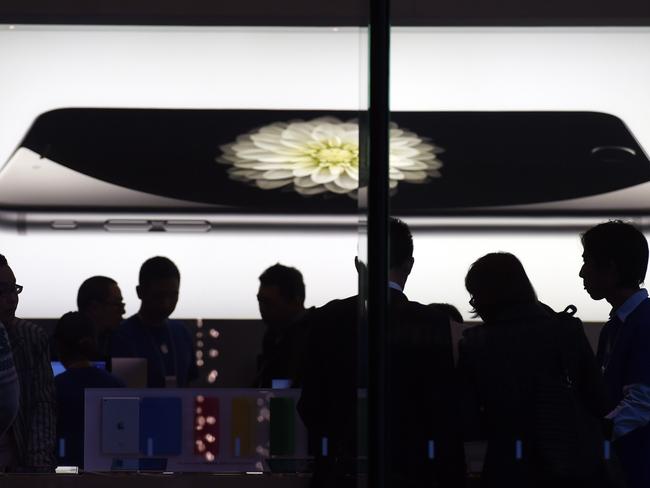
x=166, y=344
x=281, y=298
x=76, y=346
x=615, y=260
x=99, y=299
x=29, y=444
x=425, y=446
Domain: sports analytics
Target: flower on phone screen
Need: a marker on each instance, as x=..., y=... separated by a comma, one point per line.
x=322, y=155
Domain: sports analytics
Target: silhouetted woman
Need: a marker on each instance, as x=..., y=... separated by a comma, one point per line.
x=531, y=384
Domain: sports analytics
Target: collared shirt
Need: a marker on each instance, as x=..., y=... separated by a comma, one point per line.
x=9, y=392
x=633, y=411
x=630, y=304
x=34, y=429
x=133, y=339
x=8, y=380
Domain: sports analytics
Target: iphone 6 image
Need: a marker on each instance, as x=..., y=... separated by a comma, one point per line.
x=174, y=169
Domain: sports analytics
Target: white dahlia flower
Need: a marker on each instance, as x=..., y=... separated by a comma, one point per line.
x=322, y=155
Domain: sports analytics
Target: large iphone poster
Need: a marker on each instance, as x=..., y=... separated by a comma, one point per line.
x=499, y=122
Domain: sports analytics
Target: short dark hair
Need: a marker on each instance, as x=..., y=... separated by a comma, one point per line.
x=622, y=244
x=157, y=268
x=94, y=289
x=400, y=244
x=496, y=281
x=3, y=261
x=449, y=310
x=70, y=330
x=288, y=280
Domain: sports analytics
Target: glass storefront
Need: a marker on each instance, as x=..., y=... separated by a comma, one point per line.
x=325, y=342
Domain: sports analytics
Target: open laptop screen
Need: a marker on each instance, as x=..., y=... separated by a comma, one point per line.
x=58, y=368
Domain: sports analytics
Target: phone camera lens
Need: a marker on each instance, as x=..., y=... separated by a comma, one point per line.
x=613, y=154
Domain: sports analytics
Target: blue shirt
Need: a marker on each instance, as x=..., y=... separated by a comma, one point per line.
x=624, y=353
x=631, y=304
x=168, y=349
x=70, y=387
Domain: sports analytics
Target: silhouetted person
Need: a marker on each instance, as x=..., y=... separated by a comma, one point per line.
x=532, y=375
x=456, y=319
x=74, y=337
x=281, y=298
x=166, y=344
x=615, y=261
x=449, y=310
x=9, y=387
x=425, y=447
x=99, y=299
x=29, y=444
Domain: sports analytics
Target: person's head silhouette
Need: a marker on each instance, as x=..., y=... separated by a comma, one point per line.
x=9, y=292
x=281, y=295
x=497, y=281
x=74, y=336
x=400, y=248
x=615, y=260
x=100, y=300
x=158, y=287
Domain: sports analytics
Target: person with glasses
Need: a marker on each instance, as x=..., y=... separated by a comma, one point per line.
x=532, y=388
x=29, y=443
x=99, y=300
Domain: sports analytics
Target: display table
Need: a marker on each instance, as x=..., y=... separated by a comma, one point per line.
x=140, y=480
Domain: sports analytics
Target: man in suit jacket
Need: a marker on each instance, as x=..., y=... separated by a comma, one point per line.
x=425, y=446
x=615, y=260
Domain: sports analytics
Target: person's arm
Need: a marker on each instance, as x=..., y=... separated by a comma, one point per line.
x=9, y=388
x=633, y=411
x=313, y=384
x=41, y=419
x=312, y=405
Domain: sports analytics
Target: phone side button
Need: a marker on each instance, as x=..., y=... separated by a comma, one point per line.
x=64, y=224
x=119, y=225
x=187, y=225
